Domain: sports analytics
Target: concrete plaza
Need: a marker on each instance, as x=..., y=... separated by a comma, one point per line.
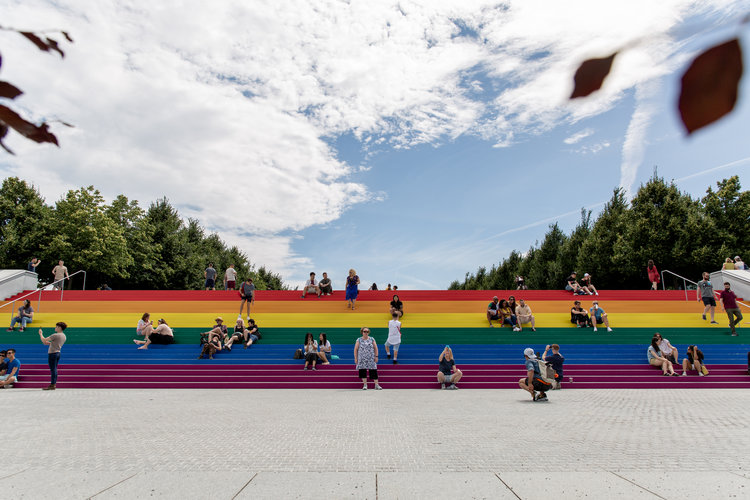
x=227, y=444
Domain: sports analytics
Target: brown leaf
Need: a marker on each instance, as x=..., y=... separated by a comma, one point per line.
x=45, y=45
x=709, y=86
x=590, y=75
x=53, y=45
x=37, y=133
x=9, y=91
x=3, y=133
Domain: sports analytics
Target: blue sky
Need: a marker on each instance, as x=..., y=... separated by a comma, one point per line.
x=413, y=141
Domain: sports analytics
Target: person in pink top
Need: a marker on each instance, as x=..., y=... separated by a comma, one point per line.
x=729, y=301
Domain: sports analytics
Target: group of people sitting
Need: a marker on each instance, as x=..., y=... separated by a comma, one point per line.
x=595, y=316
x=736, y=264
x=585, y=287
x=162, y=334
x=219, y=337
x=662, y=354
x=314, y=351
x=508, y=312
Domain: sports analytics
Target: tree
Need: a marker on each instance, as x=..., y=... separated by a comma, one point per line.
x=24, y=223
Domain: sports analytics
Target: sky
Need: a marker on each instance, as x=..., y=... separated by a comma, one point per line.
x=410, y=140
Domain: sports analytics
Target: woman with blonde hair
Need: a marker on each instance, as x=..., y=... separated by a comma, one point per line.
x=728, y=265
x=352, y=290
x=447, y=372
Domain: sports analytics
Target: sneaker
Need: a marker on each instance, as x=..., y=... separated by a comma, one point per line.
x=704, y=317
x=305, y=368
x=9, y=330
x=314, y=369
x=239, y=317
x=597, y=294
x=609, y=329
x=595, y=329
x=364, y=387
x=378, y=388
x=675, y=374
x=388, y=355
x=684, y=374
x=542, y=397
x=533, y=396
x=714, y=322
x=735, y=334
x=442, y=386
x=302, y=297
x=701, y=374
x=453, y=387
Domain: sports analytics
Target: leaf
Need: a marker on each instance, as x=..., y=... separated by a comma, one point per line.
x=590, y=75
x=44, y=45
x=709, y=86
x=3, y=133
x=9, y=91
x=36, y=133
x=67, y=36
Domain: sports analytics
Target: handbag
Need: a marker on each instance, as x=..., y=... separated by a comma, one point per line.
x=298, y=354
x=704, y=370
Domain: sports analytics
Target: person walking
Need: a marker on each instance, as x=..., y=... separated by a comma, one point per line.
x=653, y=275
x=60, y=272
x=729, y=302
x=394, y=337
x=55, y=343
x=705, y=293
x=366, y=358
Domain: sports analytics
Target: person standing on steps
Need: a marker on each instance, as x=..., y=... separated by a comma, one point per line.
x=366, y=358
x=705, y=293
x=230, y=278
x=247, y=292
x=394, y=337
x=31, y=267
x=352, y=288
x=729, y=302
x=55, y=343
x=653, y=275
x=210, y=275
x=60, y=272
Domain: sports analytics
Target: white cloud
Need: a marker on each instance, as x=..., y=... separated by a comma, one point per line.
x=227, y=108
x=578, y=136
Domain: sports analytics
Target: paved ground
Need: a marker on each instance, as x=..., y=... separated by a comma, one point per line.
x=390, y=444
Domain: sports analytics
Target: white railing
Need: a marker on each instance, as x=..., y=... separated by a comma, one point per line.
x=12, y=303
x=684, y=282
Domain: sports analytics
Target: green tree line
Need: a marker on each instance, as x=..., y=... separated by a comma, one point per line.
x=119, y=243
x=681, y=234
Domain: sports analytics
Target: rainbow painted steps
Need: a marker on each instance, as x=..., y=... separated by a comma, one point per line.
x=100, y=352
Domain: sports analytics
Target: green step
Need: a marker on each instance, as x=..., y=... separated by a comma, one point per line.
x=415, y=335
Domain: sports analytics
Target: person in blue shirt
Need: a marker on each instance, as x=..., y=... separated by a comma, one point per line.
x=598, y=316
x=12, y=372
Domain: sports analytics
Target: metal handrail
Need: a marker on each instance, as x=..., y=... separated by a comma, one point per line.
x=684, y=279
x=40, y=290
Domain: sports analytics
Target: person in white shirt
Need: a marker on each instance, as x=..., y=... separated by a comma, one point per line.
x=394, y=338
x=311, y=286
x=230, y=278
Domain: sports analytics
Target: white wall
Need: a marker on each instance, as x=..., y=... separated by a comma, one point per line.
x=13, y=281
x=739, y=280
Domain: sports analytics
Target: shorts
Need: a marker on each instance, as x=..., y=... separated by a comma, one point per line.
x=709, y=301
x=373, y=373
x=599, y=320
x=569, y=288
x=494, y=316
x=4, y=377
x=157, y=338
x=311, y=289
x=448, y=377
x=246, y=297
x=540, y=386
x=230, y=285
x=395, y=346
x=210, y=283
x=252, y=337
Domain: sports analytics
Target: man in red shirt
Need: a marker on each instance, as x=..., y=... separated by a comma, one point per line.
x=729, y=301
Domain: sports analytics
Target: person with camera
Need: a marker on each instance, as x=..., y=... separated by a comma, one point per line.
x=598, y=316
x=555, y=360
x=55, y=343
x=533, y=381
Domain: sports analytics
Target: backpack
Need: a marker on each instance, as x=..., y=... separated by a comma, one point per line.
x=548, y=374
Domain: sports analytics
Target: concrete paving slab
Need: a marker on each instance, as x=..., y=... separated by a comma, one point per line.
x=432, y=485
x=182, y=485
x=536, y=485
x=62, y=485
x=311, y=485
x=691, y=485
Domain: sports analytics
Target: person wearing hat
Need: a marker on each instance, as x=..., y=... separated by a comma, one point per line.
x=587, y=285
x=162, y=334
x=447, y=371
x=533, y=381
x=493, y=311
x=598, y=316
